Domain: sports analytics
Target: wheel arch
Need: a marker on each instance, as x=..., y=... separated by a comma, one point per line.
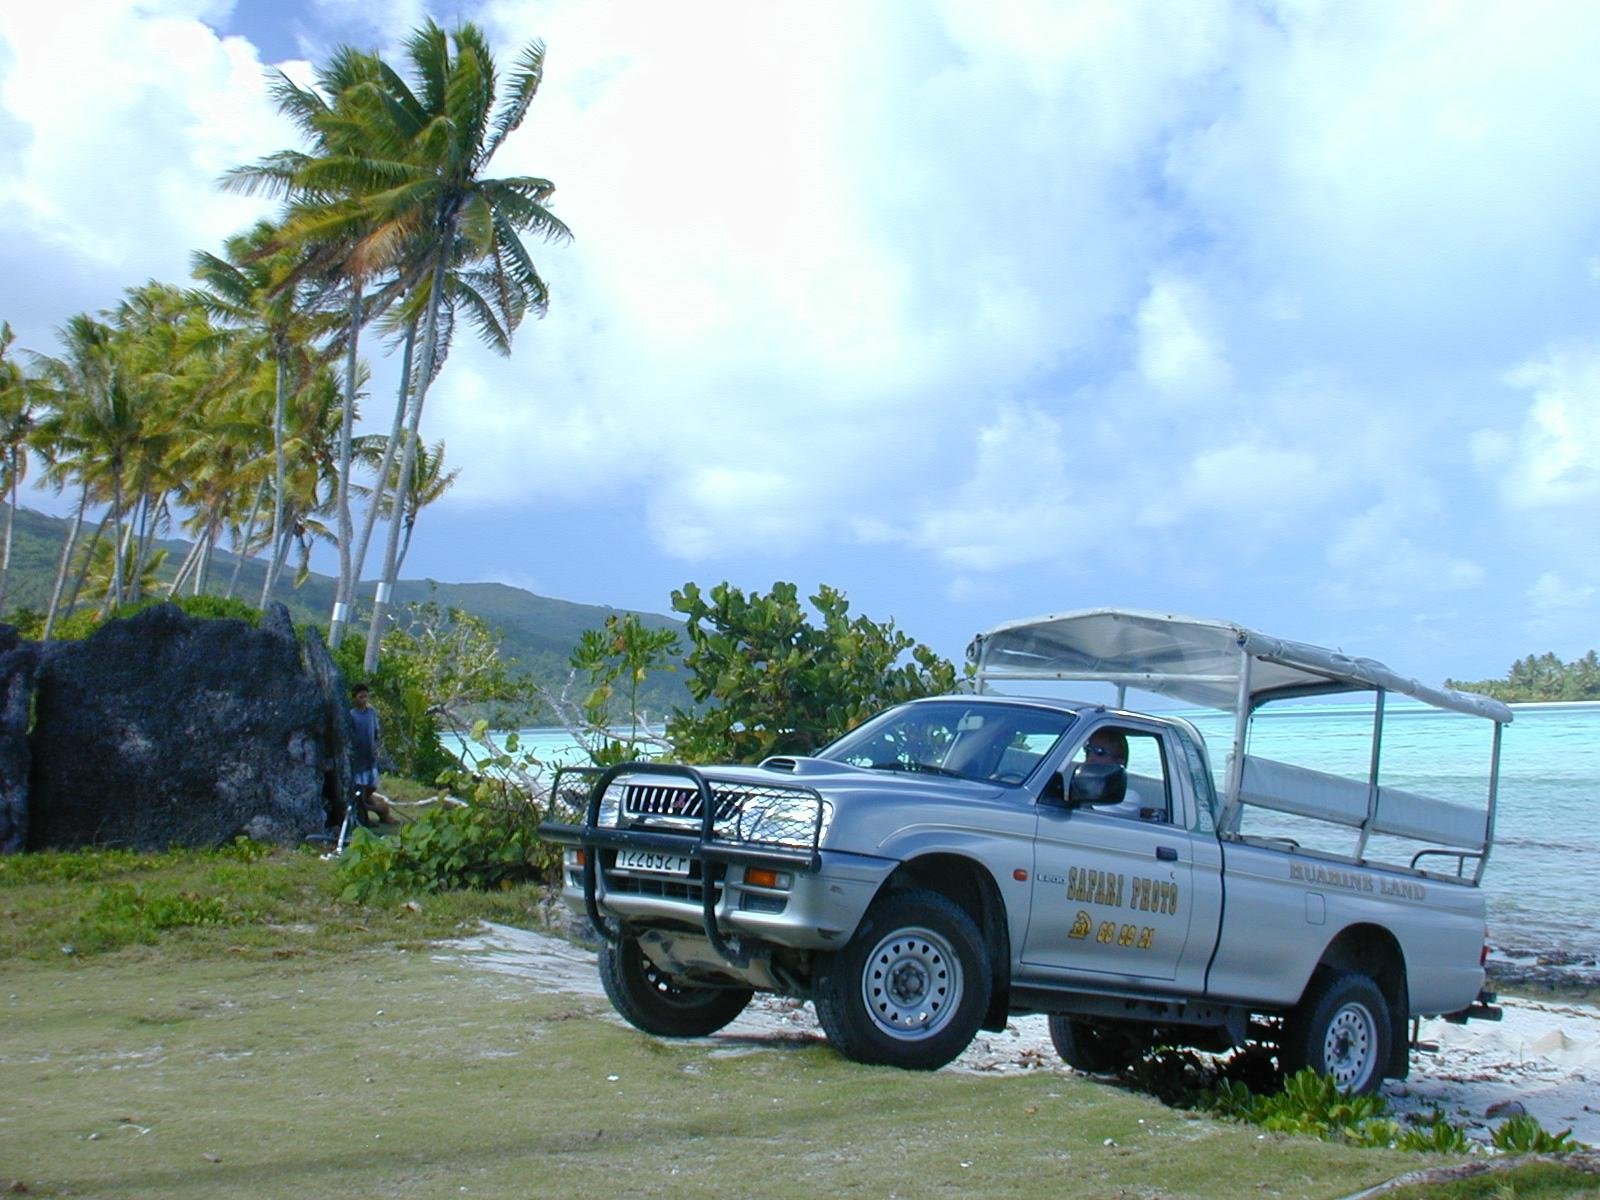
x=967, y=882
x=1373, y=951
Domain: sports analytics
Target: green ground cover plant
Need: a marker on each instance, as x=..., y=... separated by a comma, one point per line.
x=448, y=846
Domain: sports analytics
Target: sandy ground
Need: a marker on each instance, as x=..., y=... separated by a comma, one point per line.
x=1543, y=1056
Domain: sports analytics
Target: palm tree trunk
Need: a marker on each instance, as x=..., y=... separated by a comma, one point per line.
x=278, y=470
x=66, y=557
x=405, y=544
x=243, y=545
x=408, y=460
x=345, y=590
x=389, y=448
x=203, y=571
x=114, y=592
x=150, y=512
x=88, y=561
x=191, y=559
x=5, y=554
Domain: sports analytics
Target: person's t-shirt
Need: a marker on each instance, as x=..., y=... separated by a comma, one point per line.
x=364, y=739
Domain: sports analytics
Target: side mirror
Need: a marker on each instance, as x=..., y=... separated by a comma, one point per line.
x=1097, y=783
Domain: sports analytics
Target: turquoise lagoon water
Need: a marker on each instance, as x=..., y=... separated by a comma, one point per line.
x=1542, y=881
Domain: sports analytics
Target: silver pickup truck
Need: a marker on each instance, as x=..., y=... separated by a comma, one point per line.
x=962, y=858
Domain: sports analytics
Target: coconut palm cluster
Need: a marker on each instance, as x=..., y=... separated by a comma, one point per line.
x=227, y=407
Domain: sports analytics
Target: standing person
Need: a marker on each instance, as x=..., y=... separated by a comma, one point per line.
x=364, y=756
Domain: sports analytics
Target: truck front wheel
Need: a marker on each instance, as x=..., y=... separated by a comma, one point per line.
x=1341, y=1029
x=1093, y=1049
x=911, y=988
x=651, y=1000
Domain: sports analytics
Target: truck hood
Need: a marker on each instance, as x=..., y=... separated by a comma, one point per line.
x=840, y=781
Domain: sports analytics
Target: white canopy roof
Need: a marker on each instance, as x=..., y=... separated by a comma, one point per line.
x=1194, y=660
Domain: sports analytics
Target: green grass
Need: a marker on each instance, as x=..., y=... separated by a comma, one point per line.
x=231, y=1029
x=244, y=899
x=388, y=1072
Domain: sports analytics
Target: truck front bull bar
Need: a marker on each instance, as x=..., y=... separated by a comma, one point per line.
x=715, y=855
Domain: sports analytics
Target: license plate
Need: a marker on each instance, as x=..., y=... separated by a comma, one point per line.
x=653, y=861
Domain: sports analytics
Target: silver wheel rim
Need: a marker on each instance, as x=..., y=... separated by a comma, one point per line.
x=1350, y=1049
x=911, y=984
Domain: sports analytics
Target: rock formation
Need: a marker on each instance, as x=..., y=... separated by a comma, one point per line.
x=170, y=730
x=19, y=661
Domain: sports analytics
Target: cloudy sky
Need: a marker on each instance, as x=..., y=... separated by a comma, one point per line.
x=1281, y=311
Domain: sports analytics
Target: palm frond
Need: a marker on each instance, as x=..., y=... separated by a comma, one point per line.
x=525, y=81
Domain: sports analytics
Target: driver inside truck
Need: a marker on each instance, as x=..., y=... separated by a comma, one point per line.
x=1110, y=745
x=1107, y=745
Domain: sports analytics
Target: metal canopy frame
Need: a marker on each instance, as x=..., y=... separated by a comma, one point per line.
x=1221, y=665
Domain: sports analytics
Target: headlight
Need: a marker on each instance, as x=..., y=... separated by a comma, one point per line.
x=784, y=819
x=610, y=806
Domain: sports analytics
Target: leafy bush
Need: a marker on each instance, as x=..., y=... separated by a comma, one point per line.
x=85, y=621
x=1310, y=1104
x=777, y=684
x=1523, y=1134
x=450, y=846
x=1437, y=1135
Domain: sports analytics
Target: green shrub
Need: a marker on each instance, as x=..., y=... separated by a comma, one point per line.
x=450, y=846
x=1523, y=1134
x=1437, y=1135
x=768, y=680
x=1310, y=1104
x=85, y=621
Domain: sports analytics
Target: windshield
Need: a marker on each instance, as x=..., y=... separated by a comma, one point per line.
x=991, y=743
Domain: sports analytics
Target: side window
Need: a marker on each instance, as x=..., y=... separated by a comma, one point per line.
x=1149, y=795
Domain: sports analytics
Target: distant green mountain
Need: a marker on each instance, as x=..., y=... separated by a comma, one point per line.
x=538, y=632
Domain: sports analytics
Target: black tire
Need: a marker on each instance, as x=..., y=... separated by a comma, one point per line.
x=1093, y=1049
x=655, y=1002
x=911, y=987
x=1341, y=1029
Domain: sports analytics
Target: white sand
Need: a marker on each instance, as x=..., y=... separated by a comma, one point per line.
x=1544, y=1056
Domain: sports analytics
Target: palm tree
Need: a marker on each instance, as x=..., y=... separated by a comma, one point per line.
x=334, y=238
x=428, y=146
x=165, y=342
x=90, y=431
x=246, y=289
x=16, y=428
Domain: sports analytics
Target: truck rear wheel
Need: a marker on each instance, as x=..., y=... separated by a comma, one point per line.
x=911, y=987
x=1093, y=1049
x=1341, y=1029
x=651, y=1000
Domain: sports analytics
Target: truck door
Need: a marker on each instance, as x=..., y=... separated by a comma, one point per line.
x=1112, y=885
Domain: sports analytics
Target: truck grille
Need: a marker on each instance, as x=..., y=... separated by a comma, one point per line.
x=667, y=800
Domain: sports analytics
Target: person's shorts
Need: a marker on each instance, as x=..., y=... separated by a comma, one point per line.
x=367, y=778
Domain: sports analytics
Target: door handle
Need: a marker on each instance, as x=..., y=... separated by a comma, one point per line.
x=1166, y=854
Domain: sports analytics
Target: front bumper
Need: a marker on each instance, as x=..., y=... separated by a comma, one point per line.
x=812, y=910
x=809, y=899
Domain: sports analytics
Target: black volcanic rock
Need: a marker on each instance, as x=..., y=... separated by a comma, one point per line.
x=19, y=661
x=169, y=730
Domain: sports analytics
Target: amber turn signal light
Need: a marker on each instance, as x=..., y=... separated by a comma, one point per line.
x=761, y=877
x=580, y=857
